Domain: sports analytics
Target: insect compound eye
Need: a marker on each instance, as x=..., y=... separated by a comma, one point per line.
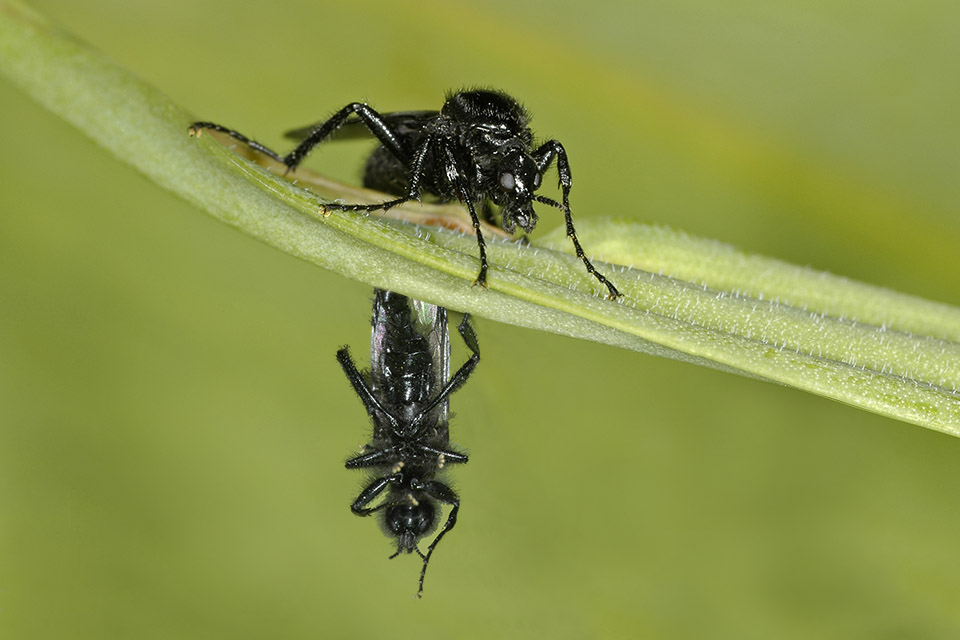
x=507, y=181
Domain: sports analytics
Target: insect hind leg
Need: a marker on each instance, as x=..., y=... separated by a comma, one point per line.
x=197, y=128
x=379, y=206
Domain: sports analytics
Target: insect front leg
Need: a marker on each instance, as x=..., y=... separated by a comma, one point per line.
x=446, y=495
x=544, y=155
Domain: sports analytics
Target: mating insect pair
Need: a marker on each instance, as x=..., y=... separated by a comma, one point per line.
x=477, y=149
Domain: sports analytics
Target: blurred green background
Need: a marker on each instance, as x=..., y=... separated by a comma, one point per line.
x=173, y=423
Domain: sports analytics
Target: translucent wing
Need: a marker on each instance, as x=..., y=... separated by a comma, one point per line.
x=431, y=322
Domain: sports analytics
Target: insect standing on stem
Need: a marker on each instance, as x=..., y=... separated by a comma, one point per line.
x=407, y=393
x=478, y=148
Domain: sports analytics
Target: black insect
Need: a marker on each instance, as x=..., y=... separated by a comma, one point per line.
x=477, y=149
x=407, y=392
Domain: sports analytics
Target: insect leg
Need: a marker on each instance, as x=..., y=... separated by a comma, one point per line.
x=373, y=120
x=455, y=178
x=544, y=155
x=370, y=401
x=374, y=489
x=460, y=377
x=372, y=459
x=198, y=127
x=449, y=457
x=413, y=191
x=446, y=495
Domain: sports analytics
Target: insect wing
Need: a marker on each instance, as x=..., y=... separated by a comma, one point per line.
x=431, y=322
x=403, y=123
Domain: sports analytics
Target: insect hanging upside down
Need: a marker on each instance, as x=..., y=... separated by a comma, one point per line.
x=478, y=148
x=407, y=393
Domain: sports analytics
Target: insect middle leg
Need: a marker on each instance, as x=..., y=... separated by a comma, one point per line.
x=413, y=189
x=457, y=180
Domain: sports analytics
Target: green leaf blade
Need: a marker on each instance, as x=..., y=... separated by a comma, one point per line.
x=685, y=298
